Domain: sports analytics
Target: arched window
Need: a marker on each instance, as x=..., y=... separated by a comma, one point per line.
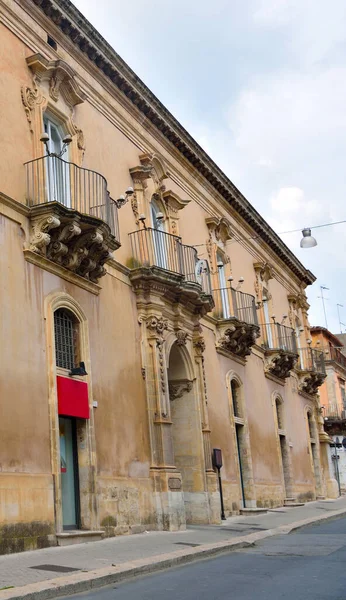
x=279, y=413
x=236, y=401
x=311, y=425
x=66, y=339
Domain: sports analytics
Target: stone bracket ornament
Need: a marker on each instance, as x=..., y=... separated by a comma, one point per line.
x=310, y=381
x=178, y=388
x=80, y=243
x=279, y=363
x=237, y=337
x=181, y=337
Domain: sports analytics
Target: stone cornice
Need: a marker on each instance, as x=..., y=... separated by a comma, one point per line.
x=84, y=36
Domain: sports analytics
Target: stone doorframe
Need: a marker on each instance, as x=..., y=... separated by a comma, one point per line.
x=158, y=336
x=86, y=445
x=281, y=438
x=247, y=470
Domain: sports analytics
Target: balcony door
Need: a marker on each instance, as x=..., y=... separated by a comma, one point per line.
x=160, y=238
x=299, y=348
x=57, y=170
x=267, y=322
x=223, y=288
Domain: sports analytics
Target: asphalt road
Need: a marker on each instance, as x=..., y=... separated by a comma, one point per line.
x=307, y=565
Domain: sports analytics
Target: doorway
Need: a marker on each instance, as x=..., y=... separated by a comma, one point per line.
x=160, y=237
x=285, y=465
x=57, y=169
x=187, y=442
x=69, y=473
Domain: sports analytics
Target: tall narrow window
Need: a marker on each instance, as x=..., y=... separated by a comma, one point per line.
x=57, y=169
x=66, y=339
x=163, y=244
x=279, y=414
x=235, y=398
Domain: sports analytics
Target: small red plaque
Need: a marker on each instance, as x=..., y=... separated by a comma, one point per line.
x=73, y=400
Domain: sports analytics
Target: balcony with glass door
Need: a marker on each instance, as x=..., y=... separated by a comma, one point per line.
x=74, y=220
x=280, y=348
x=161, y=256
x=236, y=316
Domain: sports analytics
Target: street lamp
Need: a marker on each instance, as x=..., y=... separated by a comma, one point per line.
x=307, y=240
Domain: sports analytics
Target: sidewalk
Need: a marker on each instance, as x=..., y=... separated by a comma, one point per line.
x=84, y=566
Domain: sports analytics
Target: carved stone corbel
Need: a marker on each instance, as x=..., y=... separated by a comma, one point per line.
x=279, y=363
x=178, y=388
x=40, y=226
x=238, y=337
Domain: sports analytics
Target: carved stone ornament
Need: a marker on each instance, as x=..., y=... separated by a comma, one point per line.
x=309, y=382
x=157, y=324
x=60, y=77
x=181, y=337
x=199, y=345
x=219, y=229
x=238, y=338
x=264, y=270
x=280, y=363
x=80, y=243
x=178, y=388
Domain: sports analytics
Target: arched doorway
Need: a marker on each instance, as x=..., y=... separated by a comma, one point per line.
x=187, y=439
x=242, y=441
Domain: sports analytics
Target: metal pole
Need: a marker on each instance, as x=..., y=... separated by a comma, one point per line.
x=221, y=495
x=322, y=287
x=337, y=306
x=336, y=458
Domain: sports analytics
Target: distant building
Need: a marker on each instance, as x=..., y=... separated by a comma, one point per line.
x=333, y=396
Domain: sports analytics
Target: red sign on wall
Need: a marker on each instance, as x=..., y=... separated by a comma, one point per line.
x=73, y=398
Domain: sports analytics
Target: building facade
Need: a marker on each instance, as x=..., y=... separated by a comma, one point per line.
x=139, y=330
x=333, y=398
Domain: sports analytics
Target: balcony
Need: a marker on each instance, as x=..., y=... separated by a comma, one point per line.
x=311, y=370
x=236, y=317
x=161, y=260
x=279, y=344
x=74, y=222
x=334, y=354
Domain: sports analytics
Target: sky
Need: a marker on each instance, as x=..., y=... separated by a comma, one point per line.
x=261, y=86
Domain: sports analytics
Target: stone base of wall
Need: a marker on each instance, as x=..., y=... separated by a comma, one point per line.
x=126, y=506
x=269, y=495
x=18, y=537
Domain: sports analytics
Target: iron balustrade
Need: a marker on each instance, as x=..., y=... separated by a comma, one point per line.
x=311, y=359
x=154, y=247
x=275, y=336
x=335, y=354
x=234, y=303
x=52, y=179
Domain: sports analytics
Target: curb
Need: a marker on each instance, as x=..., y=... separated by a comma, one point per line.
x=84, y=582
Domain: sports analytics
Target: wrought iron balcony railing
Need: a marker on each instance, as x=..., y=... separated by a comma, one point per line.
x=153, y=247
x=52, y=179
x=310, y=359
x=336, y=355
x=233, y=303
x=275, y=336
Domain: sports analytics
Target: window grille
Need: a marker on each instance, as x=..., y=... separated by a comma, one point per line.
x=65, y=339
